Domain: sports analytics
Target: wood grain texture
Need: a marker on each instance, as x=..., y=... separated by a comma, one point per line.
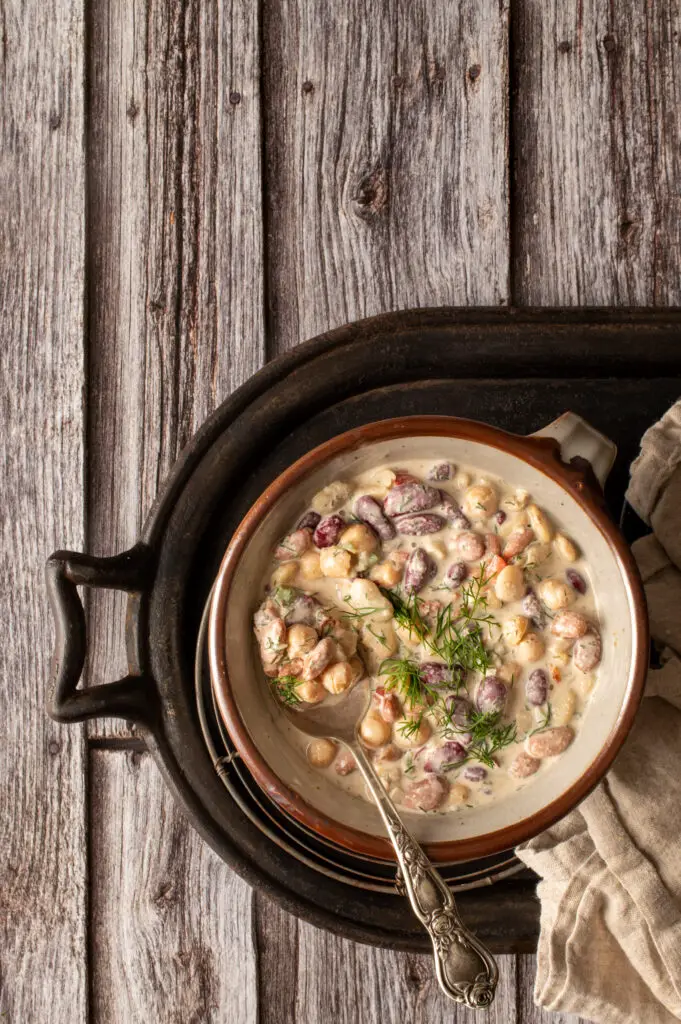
x=597, y=153
x=42, y=765
x=172, y=926
x=386, y=160
x=307, y=976
x=528, y=1013
x=176, y=281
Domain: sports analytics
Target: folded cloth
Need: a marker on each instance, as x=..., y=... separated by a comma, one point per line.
x=610, y=872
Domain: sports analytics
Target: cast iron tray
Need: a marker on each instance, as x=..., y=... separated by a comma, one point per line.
x=514, y=369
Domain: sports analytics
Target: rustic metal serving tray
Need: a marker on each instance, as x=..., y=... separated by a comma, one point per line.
x=514, y=369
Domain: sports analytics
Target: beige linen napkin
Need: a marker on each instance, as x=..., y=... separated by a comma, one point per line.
x=610, y=889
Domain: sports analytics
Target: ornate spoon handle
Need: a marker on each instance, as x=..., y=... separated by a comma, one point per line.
x=465, y=968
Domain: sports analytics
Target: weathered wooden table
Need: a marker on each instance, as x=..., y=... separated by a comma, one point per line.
x=187, y=189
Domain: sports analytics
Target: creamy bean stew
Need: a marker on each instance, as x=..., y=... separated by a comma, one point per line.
x=472, y=614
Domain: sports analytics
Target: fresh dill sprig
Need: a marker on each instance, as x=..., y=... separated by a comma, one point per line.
x=409, y=764
x=357, y=612
x=285, y=687
x=379, y=636
x=407, y=612
x=404, y=675
x=489, y=736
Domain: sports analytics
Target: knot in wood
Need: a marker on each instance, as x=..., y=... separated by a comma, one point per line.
x=474, y=72
x=609, y=43
x=372, y=194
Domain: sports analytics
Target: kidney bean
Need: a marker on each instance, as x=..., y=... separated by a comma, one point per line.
x=571, y=625
x=293, y=546
x=537, y=687
x=418, y=571
x=453, y=513
x=456, y=574
x=265, y=614
x=533, y=609
x=524, y=765
x=344, y=763
x=441, y=471
x=389, y=707
x=492, y=544
x=576, y=580
x=469, y=547
x=319, y=658
x=586, y=652
x=370, y=512
x=410, y=497
x=460, y=710
x=419, y=525
x=449, y=753
x=272, y=640
x=517, y=541
x=435, y=673
x=474, y=773
x=490, y=694
x=310, y=521
x=500, y=517
x=550, y=742
x=426, y=795
x=328, y=531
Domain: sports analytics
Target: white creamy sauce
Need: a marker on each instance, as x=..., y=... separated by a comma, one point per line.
x=568, y=687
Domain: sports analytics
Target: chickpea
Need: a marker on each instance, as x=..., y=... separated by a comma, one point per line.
x=509, y=673
x=331, y=497
x=337, y=678
x=336, y=562
x=320, y=753
x=374, y=731
x=555, y=594
x=480, y=502
x=462, y=480
x=563, y=707
x=416, y=739
x=531, y=648
x=514, y=630
x=458, y=794
x=537, y=553
x=284, y=575
x=387, y=574
x=310, y=691
x=521, y=498
x=492, y=599
x=346, y=639
x=301, y=640
x=383, y=478
x=509, y=584
x=359, y=538
x=565, y=548
x=310, y=568
x=407, y=635
x=539, y=522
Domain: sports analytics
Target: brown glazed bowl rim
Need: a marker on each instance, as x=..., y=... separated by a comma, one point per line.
x=544, y=455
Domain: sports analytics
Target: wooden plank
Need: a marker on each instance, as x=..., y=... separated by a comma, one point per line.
x=172, y=926
x=597, y=156
x=176, y=282
x=307, y=976
x=386, y=166
x=42, y=765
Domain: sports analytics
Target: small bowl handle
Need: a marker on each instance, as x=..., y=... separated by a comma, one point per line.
x=579, y=440
x=134, y=696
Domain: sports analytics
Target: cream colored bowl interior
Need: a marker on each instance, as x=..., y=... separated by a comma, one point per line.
x=270, y=731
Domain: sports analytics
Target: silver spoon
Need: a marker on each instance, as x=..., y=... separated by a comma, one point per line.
x=465, y=968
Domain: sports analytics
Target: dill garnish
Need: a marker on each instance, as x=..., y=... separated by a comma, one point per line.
x=285, y=687
x=546, y=720
x=358, y=613
x=407, y=612
x=379, y=636
x=489, y=736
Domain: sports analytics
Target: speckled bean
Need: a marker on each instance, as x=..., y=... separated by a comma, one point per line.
x=418, y=571
x=533, y=609
x=419, y=525
x=310, y=521
x=345, y=763
x=410, y=497
x=456, y=574
x=537, y=687
x=490, y=695
x=441, y=471
x=426, y=795
x=586, y=652
x=435, y=673
x=460, y=709
x=571, y=625
x=453, y=513
x=517, y=541
x=293, y=546
x=370, y=512
x=474, y=773
x=550, y=742
x=576, y=580
x=468, y=546
x=524, y=765
x=319, y=658
x=448, y=754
